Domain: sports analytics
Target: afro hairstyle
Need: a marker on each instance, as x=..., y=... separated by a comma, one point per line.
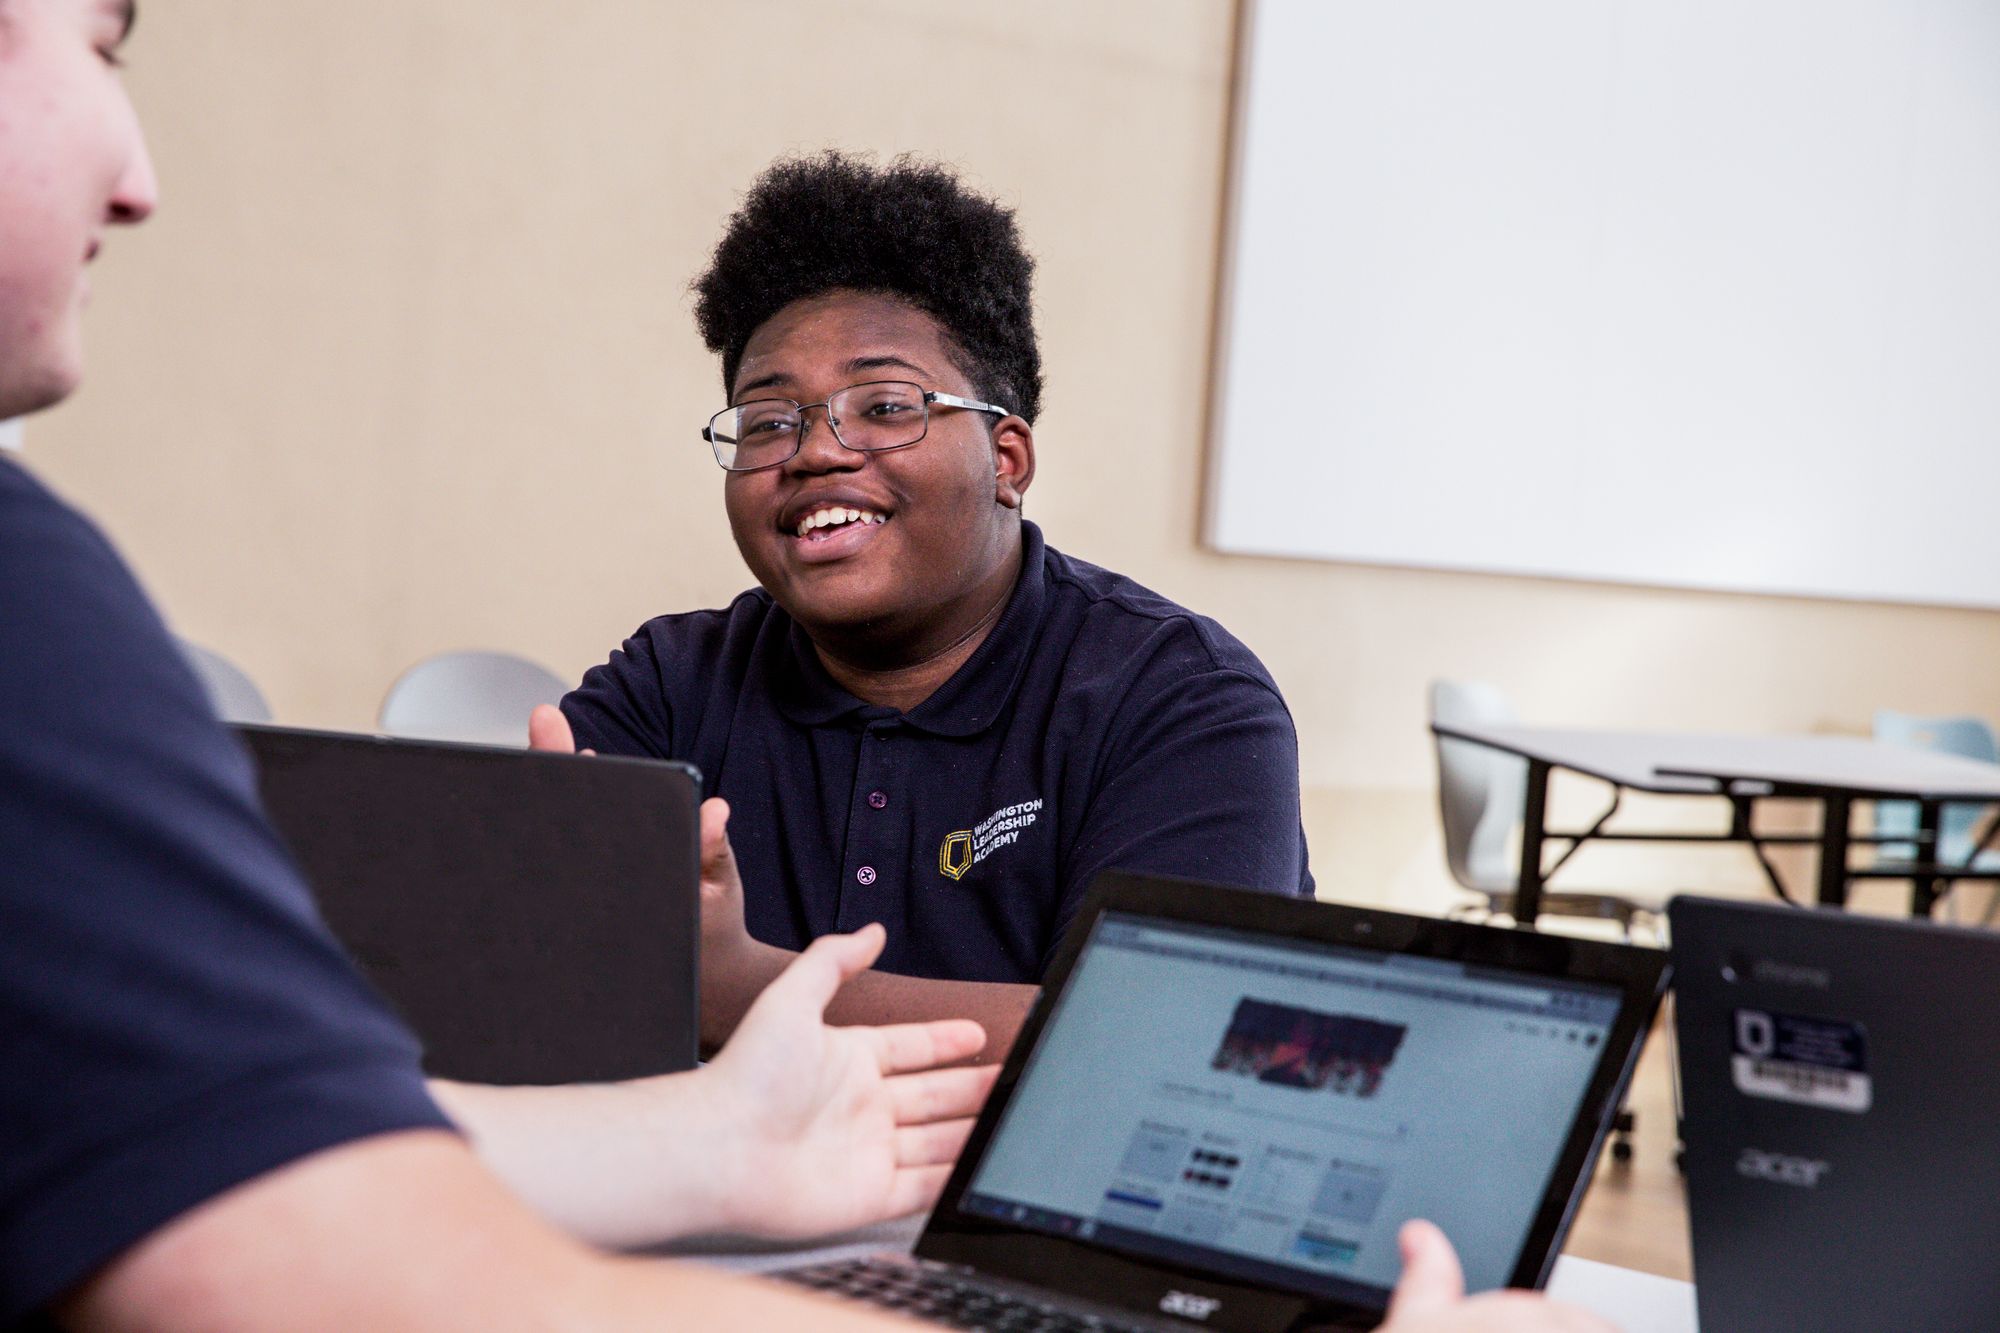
x=910, y=230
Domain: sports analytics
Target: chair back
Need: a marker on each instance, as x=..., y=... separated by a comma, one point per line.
x=234, y=696
x=480, y=698
x=1481, y=792
x=1969, y=737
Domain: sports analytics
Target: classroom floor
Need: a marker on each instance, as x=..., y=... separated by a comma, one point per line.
x=1635, y=1214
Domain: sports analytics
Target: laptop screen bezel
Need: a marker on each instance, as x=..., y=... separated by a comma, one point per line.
x=1095, y=1272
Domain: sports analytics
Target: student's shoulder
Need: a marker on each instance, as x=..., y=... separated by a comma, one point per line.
x=65, y=594
x=1123, y=621
x=643, y=699
x=41, y=535
x=681, y=650
x=723, y=630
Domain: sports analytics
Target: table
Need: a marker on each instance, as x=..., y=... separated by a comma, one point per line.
x=1834, y=771
x=1635, y=1302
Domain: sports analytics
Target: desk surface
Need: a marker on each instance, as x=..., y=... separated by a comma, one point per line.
x=1693, y=763
x=1636, y=1302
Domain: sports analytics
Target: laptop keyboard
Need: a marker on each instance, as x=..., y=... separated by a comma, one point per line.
x=947, y=1297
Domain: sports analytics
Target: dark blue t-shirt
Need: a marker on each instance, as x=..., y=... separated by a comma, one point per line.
x=174, y=1019
x=1099, y=726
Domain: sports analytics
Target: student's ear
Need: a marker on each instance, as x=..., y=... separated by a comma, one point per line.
x=1013, y=461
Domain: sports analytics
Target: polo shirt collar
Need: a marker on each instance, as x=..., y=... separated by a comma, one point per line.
x=964, y=705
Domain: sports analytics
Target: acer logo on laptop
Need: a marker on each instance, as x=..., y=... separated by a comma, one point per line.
x=1779, y=1169
x=1189, y=1306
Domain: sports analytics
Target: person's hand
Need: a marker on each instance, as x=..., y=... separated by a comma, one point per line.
x=726, y=942
x=549, y=730
x=841, y=1127
x=1431, y=1297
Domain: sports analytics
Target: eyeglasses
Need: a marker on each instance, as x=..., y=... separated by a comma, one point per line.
x=867, y=418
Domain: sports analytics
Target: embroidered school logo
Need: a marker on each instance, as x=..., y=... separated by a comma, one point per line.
x=955, y=857
x=968, y=847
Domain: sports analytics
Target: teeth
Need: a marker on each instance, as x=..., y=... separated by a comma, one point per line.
x=832, y=514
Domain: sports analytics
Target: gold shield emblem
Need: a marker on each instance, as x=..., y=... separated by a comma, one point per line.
x=955, y=857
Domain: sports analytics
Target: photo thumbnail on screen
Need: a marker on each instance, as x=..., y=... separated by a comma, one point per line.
x=1303, y=1048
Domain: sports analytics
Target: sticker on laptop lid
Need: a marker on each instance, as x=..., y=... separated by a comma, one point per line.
x=1809, y=1061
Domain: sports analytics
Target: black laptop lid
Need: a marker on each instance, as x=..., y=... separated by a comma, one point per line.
x=1842, y=1084
x=534, y=917
x=1226, y=1104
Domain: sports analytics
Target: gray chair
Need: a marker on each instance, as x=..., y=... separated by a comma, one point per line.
x=231, y=692
x=1958, y=825
x=480, y=698
x=1482, y=795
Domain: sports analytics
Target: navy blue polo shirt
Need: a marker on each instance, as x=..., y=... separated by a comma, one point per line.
x=174, y=1019
x=1099, y=726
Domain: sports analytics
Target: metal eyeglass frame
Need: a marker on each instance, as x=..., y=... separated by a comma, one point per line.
x=930, y=398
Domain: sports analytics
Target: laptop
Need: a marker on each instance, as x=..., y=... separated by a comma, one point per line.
x=1841, y=1077
x=1225, y=1104
x=535, y=918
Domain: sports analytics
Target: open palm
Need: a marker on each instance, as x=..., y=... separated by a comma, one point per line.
x=850, y=1125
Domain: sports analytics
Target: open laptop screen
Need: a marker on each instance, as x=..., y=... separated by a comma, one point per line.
x=1275, y=1109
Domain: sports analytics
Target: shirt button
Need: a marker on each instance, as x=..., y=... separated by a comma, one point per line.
x=878, y=799
x=866, y=874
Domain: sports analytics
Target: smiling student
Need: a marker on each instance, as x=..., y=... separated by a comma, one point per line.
x=924, y=715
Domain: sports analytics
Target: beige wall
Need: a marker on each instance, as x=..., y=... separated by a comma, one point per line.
x=405, y=364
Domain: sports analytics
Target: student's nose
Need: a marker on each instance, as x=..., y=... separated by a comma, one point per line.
x=137, y=191
x=819, y=449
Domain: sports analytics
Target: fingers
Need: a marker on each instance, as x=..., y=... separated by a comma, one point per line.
x=1432, y=1280
x=718, y=858
x=941, y=1094
x=916, y=1189
x=548, y=729
x=932, y=1145
x=1517, y=1312
x=714, y=825
x=1559, y=1318
x=1433, y=1284
x=1569, y=1319
x=902, y=1047
x=813, y=977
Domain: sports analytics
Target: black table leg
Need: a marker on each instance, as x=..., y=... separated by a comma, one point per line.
x=1528, y=891
x=1833, y=850
x=1927, y=888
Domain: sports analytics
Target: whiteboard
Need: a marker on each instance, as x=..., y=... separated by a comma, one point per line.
x=1695, y=293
